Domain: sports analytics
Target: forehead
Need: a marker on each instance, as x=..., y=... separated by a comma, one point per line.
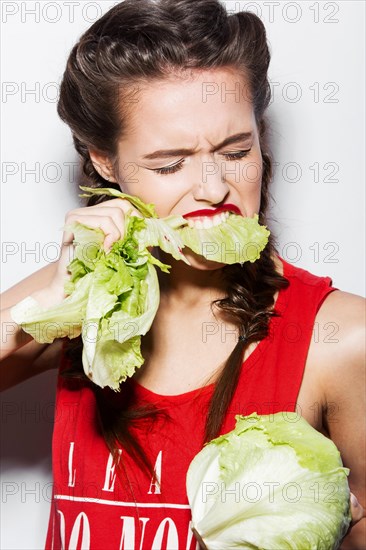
x=194, y=104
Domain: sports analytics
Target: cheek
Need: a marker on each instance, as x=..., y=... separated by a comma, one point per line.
x=253, y=173
x=250, y=183
x=150, y=188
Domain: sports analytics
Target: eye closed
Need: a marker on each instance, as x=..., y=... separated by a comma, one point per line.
x=169, y=169
x=238, y=155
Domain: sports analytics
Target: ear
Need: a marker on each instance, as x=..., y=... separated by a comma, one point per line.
x=102, y=164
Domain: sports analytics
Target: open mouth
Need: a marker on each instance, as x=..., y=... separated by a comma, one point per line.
x=205, y=222
x=206, y=218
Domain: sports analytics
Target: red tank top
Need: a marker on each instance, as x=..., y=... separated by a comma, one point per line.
x=93, y=508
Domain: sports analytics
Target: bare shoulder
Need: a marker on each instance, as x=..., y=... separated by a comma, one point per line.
x=345, y=306
x=340, y=325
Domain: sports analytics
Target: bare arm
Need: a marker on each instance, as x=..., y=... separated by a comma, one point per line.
x=21, y=356
x=12, y=336
x=344, y=386
x=31, y=359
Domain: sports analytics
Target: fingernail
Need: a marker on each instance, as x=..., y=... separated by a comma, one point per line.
x=354, y=500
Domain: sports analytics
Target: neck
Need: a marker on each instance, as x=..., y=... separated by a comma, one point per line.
x=187, y=286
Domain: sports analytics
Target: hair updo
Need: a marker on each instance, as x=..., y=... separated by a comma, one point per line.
x=138, y=41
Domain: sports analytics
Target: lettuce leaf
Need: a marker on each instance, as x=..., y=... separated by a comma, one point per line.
x=111, y=349
x=272, y=482
x=236, y=240
x=65, y=319
x=112, y=298
x=163, y=233
x=147, y=210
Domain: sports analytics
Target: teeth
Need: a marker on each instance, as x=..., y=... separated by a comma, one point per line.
x=208, y=221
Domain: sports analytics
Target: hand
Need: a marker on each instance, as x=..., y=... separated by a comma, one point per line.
x=109, y=216
x=357, y=510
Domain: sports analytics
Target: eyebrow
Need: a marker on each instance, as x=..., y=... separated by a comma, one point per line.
x=167, y=153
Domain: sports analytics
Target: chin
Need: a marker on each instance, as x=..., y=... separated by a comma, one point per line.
x=199, y=262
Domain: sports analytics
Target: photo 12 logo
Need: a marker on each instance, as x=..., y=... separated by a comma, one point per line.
x=53, y=12
x=289, y=12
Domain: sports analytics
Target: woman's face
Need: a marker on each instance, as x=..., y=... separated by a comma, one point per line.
x=193, y=144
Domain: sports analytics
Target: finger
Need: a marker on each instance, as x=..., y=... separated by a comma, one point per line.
x=116, y=214
x=113, y=228
x=121, y=204
x=112, y=210
x=115, y=208
x=357, y=510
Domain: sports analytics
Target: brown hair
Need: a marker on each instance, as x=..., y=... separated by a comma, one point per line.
x=137, y=41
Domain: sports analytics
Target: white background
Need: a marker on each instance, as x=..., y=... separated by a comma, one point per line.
x=317, y=137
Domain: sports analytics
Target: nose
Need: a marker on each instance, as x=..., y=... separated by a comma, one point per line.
x=210, y=185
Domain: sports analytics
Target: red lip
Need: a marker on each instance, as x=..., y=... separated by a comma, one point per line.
x=212, y=211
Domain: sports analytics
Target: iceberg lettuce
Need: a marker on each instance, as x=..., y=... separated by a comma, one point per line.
x=112, y=297
x=274, y=482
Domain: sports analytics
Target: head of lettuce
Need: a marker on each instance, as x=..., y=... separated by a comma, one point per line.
x=112, y=298
x=272, y=483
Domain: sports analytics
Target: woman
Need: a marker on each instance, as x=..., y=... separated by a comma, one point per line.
x=144, y=93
